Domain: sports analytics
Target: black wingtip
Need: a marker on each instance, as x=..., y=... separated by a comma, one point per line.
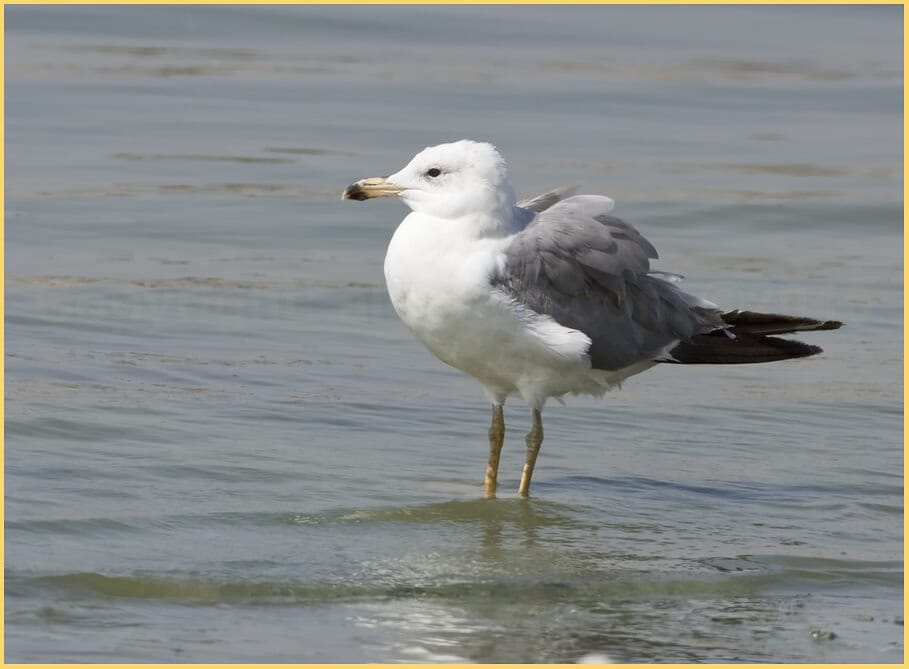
x=716, y=348
x=754, y=322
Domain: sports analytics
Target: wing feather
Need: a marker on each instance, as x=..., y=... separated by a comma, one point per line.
x=546, y=200
x=589, y=271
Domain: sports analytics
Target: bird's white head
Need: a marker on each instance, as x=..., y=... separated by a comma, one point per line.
x=448, y=181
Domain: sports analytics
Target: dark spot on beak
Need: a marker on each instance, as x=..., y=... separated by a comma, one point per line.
x=354, y=192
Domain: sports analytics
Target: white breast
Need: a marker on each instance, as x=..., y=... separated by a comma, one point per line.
x=439, y=284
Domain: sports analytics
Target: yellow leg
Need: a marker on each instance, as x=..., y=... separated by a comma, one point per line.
x=496, y=439
x=534, y=440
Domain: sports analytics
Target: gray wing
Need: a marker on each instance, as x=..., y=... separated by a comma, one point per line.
x=590, y=271
x=546, y=200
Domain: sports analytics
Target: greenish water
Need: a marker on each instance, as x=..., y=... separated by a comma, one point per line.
x=221, y=445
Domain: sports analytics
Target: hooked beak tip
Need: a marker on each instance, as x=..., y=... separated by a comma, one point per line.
x=365, y=189
x=354, y=192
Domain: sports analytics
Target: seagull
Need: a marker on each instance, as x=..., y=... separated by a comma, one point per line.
x=548, y=296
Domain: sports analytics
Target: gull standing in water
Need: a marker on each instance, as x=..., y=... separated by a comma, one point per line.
x=545, y=297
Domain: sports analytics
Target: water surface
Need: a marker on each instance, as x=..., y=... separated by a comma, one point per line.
x=223, y=446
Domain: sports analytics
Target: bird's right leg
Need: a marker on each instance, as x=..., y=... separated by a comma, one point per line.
x=534, y=440
x=496, y=439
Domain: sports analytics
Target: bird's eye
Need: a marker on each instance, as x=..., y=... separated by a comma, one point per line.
x=433, y=172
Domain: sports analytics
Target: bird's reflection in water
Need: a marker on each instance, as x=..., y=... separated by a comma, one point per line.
x=509, y=535
x=530, y=580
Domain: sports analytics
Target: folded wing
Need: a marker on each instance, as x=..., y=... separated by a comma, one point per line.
x=590, y=271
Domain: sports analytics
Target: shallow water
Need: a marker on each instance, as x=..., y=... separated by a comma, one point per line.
x=223, y=446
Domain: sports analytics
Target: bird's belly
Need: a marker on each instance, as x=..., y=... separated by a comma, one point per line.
x=478, y=341
x=475, y=331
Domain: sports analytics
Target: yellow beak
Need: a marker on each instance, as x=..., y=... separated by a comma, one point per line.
x=368, y=188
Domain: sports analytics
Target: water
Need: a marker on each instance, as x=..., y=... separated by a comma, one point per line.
x=223, y=446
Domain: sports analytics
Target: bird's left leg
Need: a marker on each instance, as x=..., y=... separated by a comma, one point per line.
x=496, y=439
x=534, y=440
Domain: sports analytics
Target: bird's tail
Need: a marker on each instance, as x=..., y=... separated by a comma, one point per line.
x=745, y=340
